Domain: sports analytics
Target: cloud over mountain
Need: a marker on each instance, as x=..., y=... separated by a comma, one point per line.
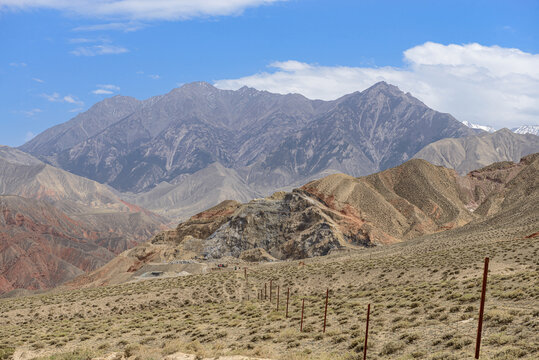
x=476, y=83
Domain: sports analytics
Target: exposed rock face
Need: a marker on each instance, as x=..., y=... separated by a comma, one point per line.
x=294, y=227
x=261, y=141
x=473, y=152
x=57, y=225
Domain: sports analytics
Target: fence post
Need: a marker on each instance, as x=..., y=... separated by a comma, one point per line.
x=271, y=288
x=302, y=307
x=265, y=291
x=366, y=332
x=481, y=310
x=245, y=271
x=326, y=309
x=278, y=289
x=287, y=297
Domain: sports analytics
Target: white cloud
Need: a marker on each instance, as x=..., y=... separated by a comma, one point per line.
x=29, y=136
x=119, y=26
x=106, y=89
x=109, y=87
x=38, y=80
x=17, y=64
x=32, y=112
x=102, y=92
x=54, y=97
x=82, y=40
x=139, y=9
x=475, y=83
x=102, y=49
x=70, y=99
x=154, y=76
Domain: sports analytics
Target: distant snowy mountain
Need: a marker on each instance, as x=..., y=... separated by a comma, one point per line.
x=526, y=129
x=481, y=127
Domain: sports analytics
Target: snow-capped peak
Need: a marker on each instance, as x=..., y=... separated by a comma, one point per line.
x=526, y=129
x=481, y=127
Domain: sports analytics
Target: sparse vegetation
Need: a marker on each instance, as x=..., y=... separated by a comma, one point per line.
x=416, y=313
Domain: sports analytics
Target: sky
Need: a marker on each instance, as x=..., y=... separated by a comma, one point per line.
x=478, y=60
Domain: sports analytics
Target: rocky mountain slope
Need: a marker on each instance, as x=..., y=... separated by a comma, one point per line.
x=340, y=212
x=190, y=193
x=57, y=225
x=81, y=127
x=271, y=141
x=473, y=152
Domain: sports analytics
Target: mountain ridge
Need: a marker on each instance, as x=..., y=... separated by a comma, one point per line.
x=197, y=124
x=468, y=153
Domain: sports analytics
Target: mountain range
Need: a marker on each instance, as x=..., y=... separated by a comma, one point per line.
x=118, y=173
x=263, y=141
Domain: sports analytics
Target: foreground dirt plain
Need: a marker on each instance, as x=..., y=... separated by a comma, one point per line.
x=424, y=297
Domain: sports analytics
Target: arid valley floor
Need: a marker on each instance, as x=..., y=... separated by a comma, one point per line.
x=424, y=297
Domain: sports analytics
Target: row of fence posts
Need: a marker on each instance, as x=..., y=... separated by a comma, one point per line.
x=263, y=295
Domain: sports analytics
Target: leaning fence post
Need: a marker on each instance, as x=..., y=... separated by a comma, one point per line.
x=481, y=310
x=287, y=298
x=302, y=307
x=326, y=309
x=366, y=333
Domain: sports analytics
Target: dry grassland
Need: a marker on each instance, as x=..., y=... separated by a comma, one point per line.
x=424, y=296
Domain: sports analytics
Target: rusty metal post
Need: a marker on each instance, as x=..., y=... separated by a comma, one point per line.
x=287, y=298
x=326, y=309
x=366, y=332
x=271, y=288
x=302, y=307
x=278, y=289
x=481, y=310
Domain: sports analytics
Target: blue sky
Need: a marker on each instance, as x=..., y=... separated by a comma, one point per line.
x=477, y=60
